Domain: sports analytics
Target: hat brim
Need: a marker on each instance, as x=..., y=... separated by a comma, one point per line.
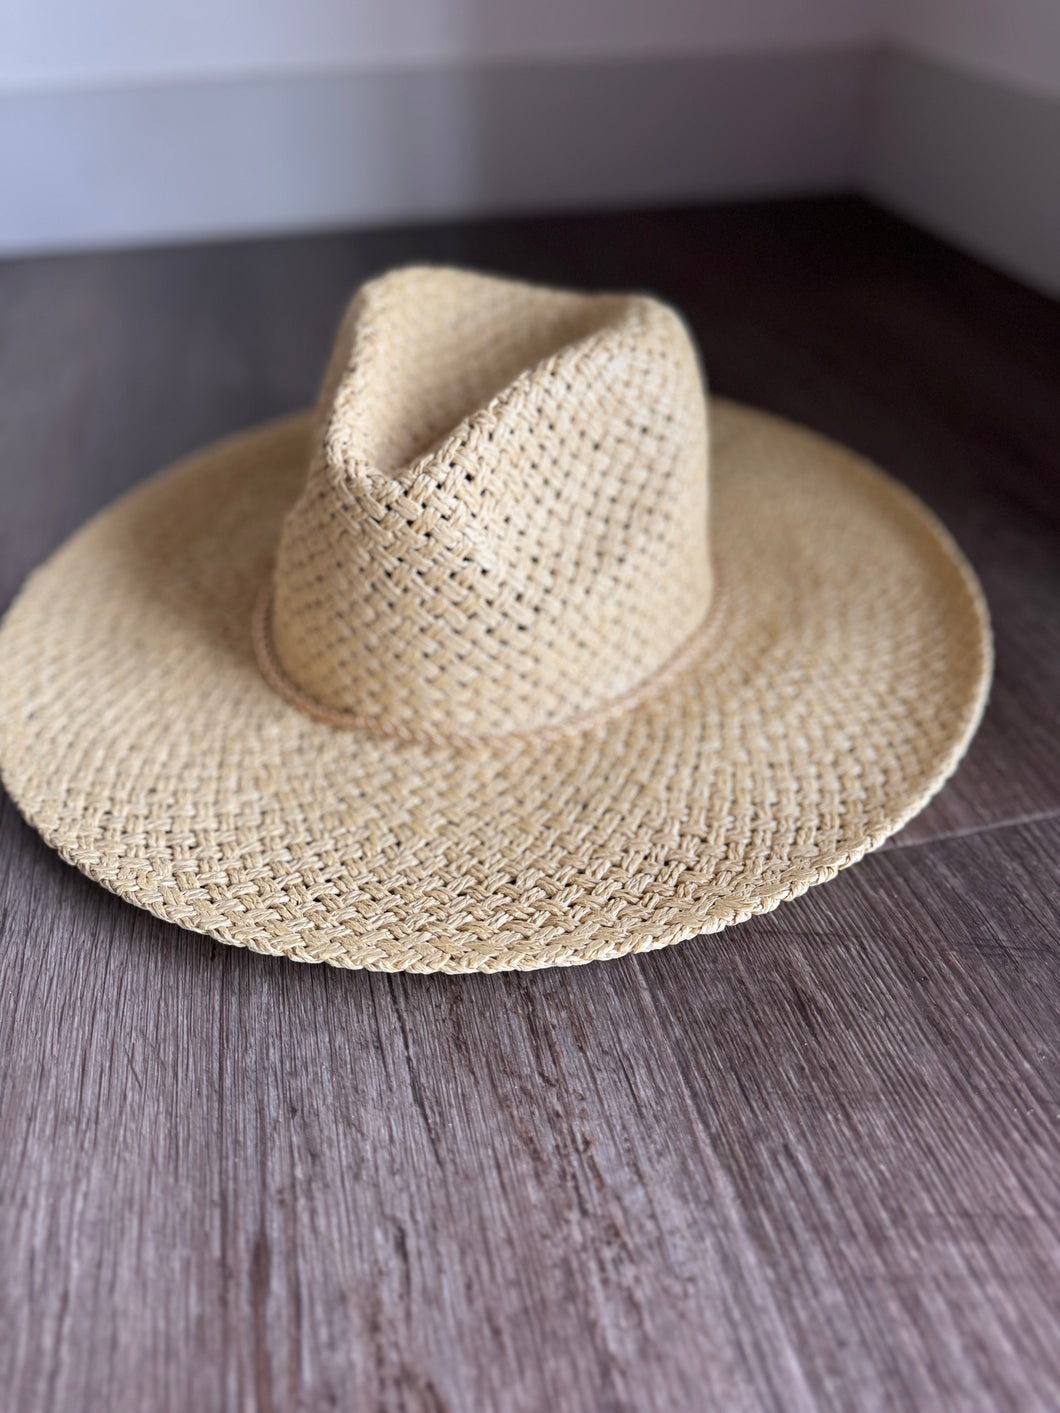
x=844, y=667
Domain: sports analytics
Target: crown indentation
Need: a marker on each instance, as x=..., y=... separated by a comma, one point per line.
x=504, y=523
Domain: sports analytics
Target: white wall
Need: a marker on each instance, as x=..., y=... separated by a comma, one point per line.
x=1015, y=41
x=124, y=121
x=963, y=135
x=53, y=43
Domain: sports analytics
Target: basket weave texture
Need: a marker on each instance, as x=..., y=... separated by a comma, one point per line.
x=458, y=674
x=505, y=519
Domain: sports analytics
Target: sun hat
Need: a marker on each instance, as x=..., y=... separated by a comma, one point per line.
x=478, y=666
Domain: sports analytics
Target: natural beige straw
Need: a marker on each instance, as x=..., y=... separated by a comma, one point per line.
x=442, y=677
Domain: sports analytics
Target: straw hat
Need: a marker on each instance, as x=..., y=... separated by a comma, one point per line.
x=461, y=673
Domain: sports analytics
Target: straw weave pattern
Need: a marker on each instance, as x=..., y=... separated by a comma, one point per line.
x=837, y=681
x=544, y=555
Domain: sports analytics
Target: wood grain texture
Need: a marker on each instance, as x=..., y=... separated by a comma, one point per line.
x=809, y=1163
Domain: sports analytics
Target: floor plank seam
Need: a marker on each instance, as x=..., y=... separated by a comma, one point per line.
x=1041, y=817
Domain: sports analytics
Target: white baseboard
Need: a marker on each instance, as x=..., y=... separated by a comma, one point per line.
x=187, y=161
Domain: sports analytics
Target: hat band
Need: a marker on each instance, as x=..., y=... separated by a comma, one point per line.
x=690, y=651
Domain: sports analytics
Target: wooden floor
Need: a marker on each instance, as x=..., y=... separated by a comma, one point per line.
x=809, y=1163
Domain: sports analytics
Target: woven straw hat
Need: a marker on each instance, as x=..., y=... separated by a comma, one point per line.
x=461, y=673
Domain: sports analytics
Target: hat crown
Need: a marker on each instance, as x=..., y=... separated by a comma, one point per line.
x=504, y=523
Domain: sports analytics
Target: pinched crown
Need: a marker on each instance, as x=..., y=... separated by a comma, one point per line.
x=504, y=524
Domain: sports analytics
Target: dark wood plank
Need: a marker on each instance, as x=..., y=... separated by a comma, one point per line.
x=877, y=1069
x=808, y=1163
